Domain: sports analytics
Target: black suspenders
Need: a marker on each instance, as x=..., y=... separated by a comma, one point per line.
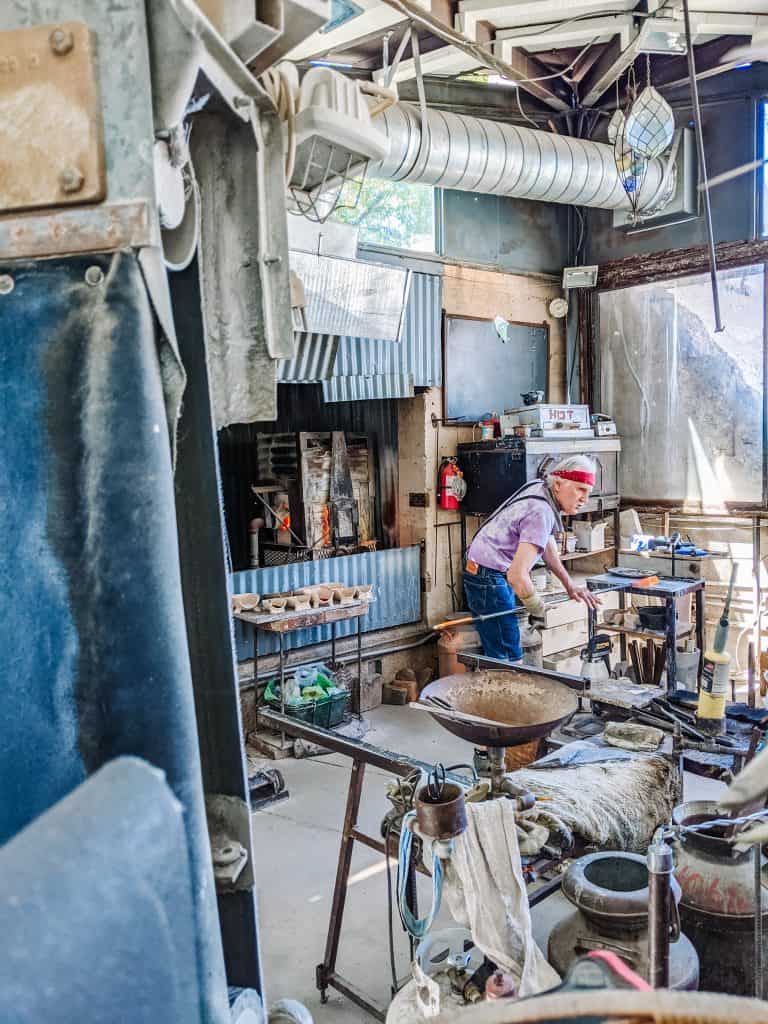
x=517, y=496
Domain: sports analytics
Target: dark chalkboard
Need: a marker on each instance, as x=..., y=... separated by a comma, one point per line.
x=483, y=374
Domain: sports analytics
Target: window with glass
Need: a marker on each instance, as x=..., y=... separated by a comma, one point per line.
x=391, y=214
x=688, y=403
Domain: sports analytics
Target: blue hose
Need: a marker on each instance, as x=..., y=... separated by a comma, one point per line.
x=417, y=927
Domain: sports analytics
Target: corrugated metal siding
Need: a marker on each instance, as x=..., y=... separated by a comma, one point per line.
x=361, y=389
x=314, y=359
x=351, y=297
x=417, y=354
x=396, y=578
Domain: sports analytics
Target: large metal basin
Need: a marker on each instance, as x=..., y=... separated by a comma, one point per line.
x=526, y=706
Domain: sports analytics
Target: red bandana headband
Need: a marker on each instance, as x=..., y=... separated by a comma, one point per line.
x=579, y=475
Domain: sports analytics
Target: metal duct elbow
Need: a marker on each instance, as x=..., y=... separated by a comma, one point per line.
x=471, y=154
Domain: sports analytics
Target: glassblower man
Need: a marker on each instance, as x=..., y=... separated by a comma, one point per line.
x=497, y=574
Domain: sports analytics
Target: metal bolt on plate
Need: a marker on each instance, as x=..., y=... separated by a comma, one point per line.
x=71, y=179
x=94, y=276
x=62, y=41
x=7, y=284
x=227, y=854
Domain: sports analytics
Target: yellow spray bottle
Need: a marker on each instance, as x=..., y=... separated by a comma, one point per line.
x=715, y=676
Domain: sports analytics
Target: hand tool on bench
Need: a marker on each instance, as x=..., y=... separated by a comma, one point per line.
x=446, y=711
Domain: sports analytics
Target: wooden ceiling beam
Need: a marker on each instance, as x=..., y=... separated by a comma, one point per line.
x=514, y=70
x=709, y=62
x=554, y=92
x=616, y=57
x=588, y=61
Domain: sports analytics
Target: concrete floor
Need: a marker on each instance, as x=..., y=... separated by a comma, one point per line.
x=297, y=844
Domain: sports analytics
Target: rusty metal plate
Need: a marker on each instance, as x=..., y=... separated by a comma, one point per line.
x=51, y=145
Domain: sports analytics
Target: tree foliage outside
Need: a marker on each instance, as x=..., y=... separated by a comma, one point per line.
x=394, y=214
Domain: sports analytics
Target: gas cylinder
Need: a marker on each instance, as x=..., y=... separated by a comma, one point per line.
x=713, y=696
x=717, y=905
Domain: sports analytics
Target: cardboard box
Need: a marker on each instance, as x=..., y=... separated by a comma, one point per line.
x=589, y=536
x=560, y=638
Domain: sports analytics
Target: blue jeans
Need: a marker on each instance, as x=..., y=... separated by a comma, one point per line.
x=489, y=592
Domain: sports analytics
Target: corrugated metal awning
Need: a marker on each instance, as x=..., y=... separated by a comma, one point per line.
x=362, y=369
x=352, y=297
x=314, y=360
x=366, y=387
x=386, y=369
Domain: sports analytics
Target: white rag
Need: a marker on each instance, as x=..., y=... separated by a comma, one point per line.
x=486, y=893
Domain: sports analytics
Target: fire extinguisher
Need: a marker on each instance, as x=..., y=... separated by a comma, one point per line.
x=449, y=484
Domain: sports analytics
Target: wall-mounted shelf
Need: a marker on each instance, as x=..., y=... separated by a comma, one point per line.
x=649, y=634
x=571, y=555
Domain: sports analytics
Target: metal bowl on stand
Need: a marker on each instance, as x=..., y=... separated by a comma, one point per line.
x=517, y=706
x=497, y=708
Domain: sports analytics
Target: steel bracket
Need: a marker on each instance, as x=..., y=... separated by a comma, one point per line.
x=51, y=126
x=197, y=44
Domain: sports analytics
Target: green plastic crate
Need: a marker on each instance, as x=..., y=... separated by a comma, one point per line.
x=323, y=713
x=313, y=712
x=339, y=705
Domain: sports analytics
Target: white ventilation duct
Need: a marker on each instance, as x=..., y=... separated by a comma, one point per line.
x=475, y=155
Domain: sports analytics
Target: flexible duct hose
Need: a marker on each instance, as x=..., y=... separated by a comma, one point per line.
x=457, y=151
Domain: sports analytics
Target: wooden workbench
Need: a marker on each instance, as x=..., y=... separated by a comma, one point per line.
x=281, y=623
x=304, y=618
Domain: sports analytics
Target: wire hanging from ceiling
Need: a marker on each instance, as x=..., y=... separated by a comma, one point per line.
x=545, y=78
x=523, y=114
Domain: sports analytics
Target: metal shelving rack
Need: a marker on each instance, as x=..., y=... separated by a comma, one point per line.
x=668, y=591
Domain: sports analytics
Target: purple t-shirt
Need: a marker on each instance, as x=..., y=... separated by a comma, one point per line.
x=531, y=521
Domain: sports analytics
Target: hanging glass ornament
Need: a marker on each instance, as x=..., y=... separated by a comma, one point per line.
x=650, y=124
x=616, y=125
x=630, y=165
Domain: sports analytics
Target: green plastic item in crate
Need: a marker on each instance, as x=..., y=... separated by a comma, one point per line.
x=324, y=712
x=313, y=712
